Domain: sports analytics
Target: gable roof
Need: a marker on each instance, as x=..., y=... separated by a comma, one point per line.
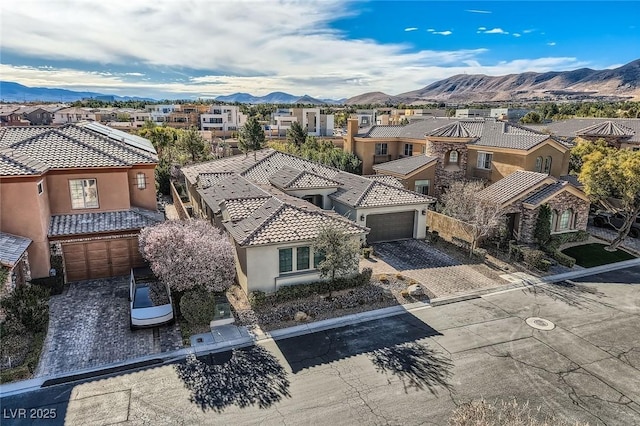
x=512, y=186
x=12, y=247
x=500, y=134
x=69, y=146
x=389, y=180
x=544, y=192
x=404, y=166
x=233, y=187
x=290, y=178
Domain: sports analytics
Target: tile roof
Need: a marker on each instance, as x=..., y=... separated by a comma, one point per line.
x=241, y=208
x=357, y=191
x=389, y=180
x=500, y=134
x=12, y=247
x=90, y=223
x=454, y=130
x=70, y=146
x=576, y=126
x=404, y=166
x=511, y=186
x=290, y=178
x=235, y=164
x=272, y=223
x=606, y=128
x=275, y=160
x=205, y=180
x=544, y=192
x=233, y=187
x=573, y=180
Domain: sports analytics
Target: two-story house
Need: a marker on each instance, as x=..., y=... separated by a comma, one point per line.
x=222, y=119
x=81, y=190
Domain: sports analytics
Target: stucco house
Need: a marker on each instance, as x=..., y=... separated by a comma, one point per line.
x=486, y=149
x=82, y=191
x=281, y=201
x=522, y=193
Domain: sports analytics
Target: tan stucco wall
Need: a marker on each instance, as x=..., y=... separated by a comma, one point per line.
x=504, y=163
x=143, y=198
x=25, y=213
x=112, y=192
x=365, y=149
x=559, y=160
x=447, y=227
x=428, y=173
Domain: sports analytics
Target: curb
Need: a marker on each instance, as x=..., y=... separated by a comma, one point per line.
x=160, y=359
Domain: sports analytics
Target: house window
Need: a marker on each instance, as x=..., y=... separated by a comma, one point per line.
x=547, y=165
x=422, y=186
x=84, y=193
x=286, y=260
x=141, y=181
x=565, y=220
x=408, y=149
x=318, y=258
x=302, y=258
x=453, y=157
x=381, y=149
x=424, y=149
x=539, y=164
x=40, y=187
x=484, y=160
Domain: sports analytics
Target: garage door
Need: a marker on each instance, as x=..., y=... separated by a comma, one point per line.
x=390, y=226
x=100, y=259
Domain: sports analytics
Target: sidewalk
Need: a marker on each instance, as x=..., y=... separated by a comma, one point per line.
x=248, y=338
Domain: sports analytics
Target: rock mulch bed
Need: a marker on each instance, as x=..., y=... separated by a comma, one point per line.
x=383, y=291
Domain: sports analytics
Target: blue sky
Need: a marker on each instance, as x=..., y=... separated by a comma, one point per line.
x=324, y=48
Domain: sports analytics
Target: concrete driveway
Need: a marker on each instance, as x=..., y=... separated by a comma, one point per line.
x=89, y=327
x=436, y=270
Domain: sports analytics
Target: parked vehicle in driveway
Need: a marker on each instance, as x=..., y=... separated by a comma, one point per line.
x=615, y=220
x=149, y=299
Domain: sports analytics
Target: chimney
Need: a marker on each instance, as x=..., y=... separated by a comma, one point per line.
x=352, y=131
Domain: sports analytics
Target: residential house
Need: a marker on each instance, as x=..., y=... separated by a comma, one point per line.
x=185, y=116
x=522, y=194
x=13, y=257
x=37, y=115
x=484, y=149
x=222, y=120
x=293, y=197
x=10, y=116
x=416, y=173
x=618, y=132
x=508, y=114
x=313, y=120
x=82, y=191
x=472, y=113
x=73, y=115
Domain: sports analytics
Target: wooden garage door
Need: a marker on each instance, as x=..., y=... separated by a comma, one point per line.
x=100, y=259
x=390, y=226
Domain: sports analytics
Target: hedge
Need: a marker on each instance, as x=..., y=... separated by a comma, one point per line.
x=564, y=259
x=299, y=291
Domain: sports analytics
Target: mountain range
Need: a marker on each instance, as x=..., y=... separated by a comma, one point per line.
x=14, y=92
x=582, y=84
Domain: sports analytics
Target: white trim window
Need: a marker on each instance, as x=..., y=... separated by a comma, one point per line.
x=484, y=160
x=84, y=193
x=141, y=180
x=294, y=259
x=453, y=157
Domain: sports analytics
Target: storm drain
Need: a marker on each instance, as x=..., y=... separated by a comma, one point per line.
x=540, y=323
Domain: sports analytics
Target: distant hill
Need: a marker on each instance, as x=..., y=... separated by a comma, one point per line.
x=274, y=98
x=14, y=92
x=376, y=98
x=622, y=82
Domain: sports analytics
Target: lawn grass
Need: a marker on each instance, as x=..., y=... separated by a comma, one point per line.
x=590, y=255
x=25, y=370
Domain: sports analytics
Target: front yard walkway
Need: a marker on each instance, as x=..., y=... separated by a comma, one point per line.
x=433, y=268
x=89, y=327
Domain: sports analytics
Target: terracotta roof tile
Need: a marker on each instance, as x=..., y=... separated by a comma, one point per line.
x=509, y=187
x=90, y=223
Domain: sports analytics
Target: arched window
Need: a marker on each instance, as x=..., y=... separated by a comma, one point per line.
x=547, y=165
x=565, y=220
x=554, y=220
x=453, y=157
x=539, y=164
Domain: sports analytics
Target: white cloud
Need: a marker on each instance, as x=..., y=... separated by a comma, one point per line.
x=444, y=33
x=477, y=11
x=226, y=47
x=410, y=29
x=496, y=31
x=482, y=28
x=516, y=35
x=551, y=43
x=528, y=31
x=430, y=30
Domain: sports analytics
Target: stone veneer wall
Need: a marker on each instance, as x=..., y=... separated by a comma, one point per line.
x=443, y=178
x=559, y=203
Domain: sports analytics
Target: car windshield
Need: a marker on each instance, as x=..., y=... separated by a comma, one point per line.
x=148, y=295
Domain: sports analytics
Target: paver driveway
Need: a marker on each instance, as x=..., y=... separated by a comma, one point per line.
x=436, y=270
x=89, y=327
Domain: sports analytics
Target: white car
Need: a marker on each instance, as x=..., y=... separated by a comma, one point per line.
x=149, y=300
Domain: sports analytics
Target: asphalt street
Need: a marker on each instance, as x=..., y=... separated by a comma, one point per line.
x=414, y=368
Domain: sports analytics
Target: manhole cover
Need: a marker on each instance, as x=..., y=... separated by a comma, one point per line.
x=540, y=323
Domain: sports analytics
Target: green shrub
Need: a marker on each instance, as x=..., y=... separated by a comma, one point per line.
x=198, y=306
x=480, y=253
x=544, y=265
x=257, y=298
x=515, y=251
x=55, y=285
x=559, y=239
x=27, y=304
x=564, y=259
x=533, y=258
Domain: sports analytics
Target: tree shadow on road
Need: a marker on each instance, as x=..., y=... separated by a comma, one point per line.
x=242, y=377
x=573, y=294
x=416, y=365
